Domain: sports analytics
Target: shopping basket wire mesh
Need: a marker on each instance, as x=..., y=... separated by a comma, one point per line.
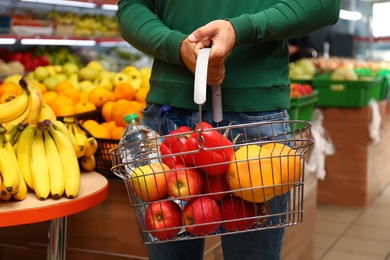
x=220, y=180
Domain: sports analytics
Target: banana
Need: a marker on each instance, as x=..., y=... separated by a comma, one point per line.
x=88, y=163
x=36, y=105
x=59, y=126
x=79, y=149
x=56, y=172
x=91, y=146
x=80, y=139
x=46, y=113
x=22, y=189
x=4, y=195
x=39, y=166
x=69, y=161
x=13, y=136
x=23, y=153
x=8, y=169
x=14, y=108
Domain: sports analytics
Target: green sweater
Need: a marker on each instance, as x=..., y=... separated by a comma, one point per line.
x=257, y=69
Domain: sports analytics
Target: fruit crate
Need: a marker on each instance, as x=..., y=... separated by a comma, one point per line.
x=103, y=157
x=301, y=108
x=347, y=93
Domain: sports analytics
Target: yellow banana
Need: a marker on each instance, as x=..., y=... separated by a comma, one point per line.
x=14, y=108
x=13, y=136
x=23, y=153
x=8, y=125
x=4, y=195
x=22, y=189
x=39, y=166
x=46, y=113
x=36, y=105
x=8, y=169
x=91, y=146
x=80, y=139
x=88, y=163
x=79, y=149
x=69, y=161
x=60, y=126
x=56, y=172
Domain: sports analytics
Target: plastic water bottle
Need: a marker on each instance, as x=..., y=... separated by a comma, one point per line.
x=168, y=120
x=139, y=144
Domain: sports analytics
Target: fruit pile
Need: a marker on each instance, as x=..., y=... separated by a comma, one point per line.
x=70, y=90
x=36, y=149
x=298, y=89
x=201, y=188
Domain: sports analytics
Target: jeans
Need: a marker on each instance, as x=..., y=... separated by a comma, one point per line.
x=261, y=244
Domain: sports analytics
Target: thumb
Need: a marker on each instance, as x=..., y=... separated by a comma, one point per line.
x=198, y=35
x=193, y=38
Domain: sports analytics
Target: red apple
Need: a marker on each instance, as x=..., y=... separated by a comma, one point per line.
x=163, y=219
x=148, y=182
x=215, y=186
x=202, y=216
x=237, y=213
x=184, y=182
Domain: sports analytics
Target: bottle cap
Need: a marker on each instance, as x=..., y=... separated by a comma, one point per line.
x=165, y=108
x=131, y=117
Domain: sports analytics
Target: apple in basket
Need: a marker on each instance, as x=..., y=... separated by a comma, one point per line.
x=149, y=182
x=184, y=182
x=215, y=186
x=201, y=216
x=238, y=214
x=163, y=219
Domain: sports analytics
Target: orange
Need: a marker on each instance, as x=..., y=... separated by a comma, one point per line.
x=64, y=84
x=70, y=92
x=110, y=125
x=117, y=132
x=84, y=96
x=41, y=87
x=49, y=96
x=10, y=87
x=7, y=97
x=141, y=94
x=100, y=131
x=66, y=110
x=289, y=163
x=124, y=90
x=88, y=124
x=251, y=169
x=119, y=110
x=99, y=96
x=60, y=101
x=106, y=110
x=84, y=106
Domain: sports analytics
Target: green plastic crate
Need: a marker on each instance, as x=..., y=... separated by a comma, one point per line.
x=385, y=84
x=301, y=108
x=347, y=93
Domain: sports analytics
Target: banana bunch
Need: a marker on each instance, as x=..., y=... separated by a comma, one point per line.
x=24, y=108
x=47, y=160
x=84, y=146
x=12, y=183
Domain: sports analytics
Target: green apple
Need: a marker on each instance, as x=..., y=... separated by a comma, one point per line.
x=41, y=73
x=95, y=65
x=104, y=82
x=86, y=86
x=120, y=77
x=70, y=68
x=74, y=77
x=51, y=83
x=86, y=73
x=51, y=70
x=58, y=68
x=61, y=77
x=105, y=74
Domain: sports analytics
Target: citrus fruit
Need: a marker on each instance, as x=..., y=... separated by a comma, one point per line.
x=41, y=87
x=83, y=106
x=99, y=96
x=252, y=168
x=60, y=101
x=9, y=87
x=88, y=124
x=117, y=132
x=66, y=110
x=7, y=97
x=49, y=96
x=289, y=163
x=100, y=131
x=70, y=92
x=118, y=111
x=141, y=94
x=110, y=125
x=106, y=110
x=84, y=96
x=124, y=90
x=64, y=84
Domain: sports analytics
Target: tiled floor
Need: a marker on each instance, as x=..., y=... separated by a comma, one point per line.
x=358, y=234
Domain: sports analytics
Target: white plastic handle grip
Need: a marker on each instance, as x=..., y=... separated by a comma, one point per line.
x=200, y=85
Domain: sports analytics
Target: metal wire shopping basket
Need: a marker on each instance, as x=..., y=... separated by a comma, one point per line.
x=217, y=180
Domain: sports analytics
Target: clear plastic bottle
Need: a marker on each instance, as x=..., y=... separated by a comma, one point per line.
x=139, y=144
x=168, y=120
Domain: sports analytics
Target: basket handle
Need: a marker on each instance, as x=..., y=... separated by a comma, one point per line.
x=200, y=85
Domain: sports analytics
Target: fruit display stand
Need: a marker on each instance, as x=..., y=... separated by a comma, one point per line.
x=358, y=170
x=94, y=190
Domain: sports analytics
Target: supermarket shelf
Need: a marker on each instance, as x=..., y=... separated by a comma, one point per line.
x=110, y=5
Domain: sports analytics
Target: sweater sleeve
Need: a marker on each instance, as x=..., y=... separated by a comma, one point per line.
x=286, y=19
x=140, y=27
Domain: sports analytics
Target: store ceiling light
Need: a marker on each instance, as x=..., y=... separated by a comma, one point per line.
x=7, y=40
x=349, y=15
x=63, y=2
x=110, y=7
x=61, y=42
